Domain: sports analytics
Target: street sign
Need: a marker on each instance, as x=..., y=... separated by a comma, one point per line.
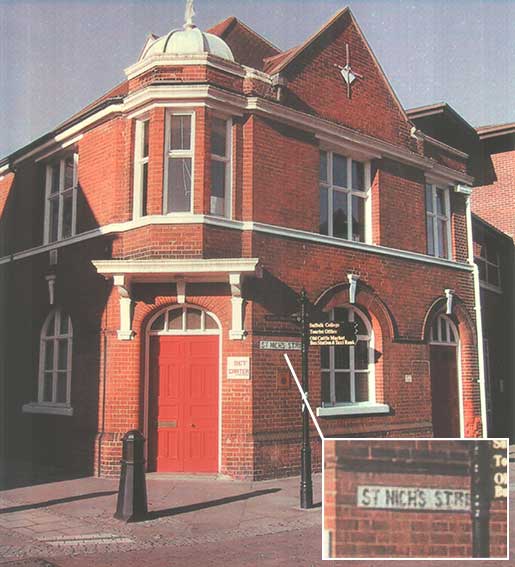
x=499, y=466
x=413, y=498
x=280, y=345
x=332, y=333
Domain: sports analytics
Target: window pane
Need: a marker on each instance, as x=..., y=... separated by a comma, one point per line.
x=54, y=219
x=54, y=181
x=358, y=176
x=180, y=138
x=159, y=323
x=440, y=202
x=49, y=355
x=50, y=329
x=62, y=360
x=62, y=383
x=434, y=331
x=144, y=188
x=47, y=387
x=326, y=387
x=361, y=387
x=443, y=329
x=324, y=357
x=482, y=270
x=67, y=216
x=442, y=239
x=429, y=198
x=192, y=319
x=430, y=236
x=175, y=320
x=217, y=178
x=361, y=355
x=358, y=219
x=340, y=214
x=210, y=323
x=493, y=275
x=63, y=324
x=324, y=213
x=323, y=166
x=491, y=254
x=219, y=137
x=341, y=357
x=342, y=386
x=144, y=149
x=68, y=172
x=361, y=328
x=179, y=185
x=339, y=170
x=341, y=314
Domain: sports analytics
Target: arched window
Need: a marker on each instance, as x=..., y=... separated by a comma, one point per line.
x=55, y=360
x=180, y=320
x=347, y=371
x=443, y=331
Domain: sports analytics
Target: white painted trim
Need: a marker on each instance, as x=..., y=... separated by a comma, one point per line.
x=62, y=146
x=167, y=60
x=139, y=162
x=146, y=392
x=5, y=168
x=178, y=154
x=353, y=409
x=479, y=320
x=34, y=407
x=184, y=268
x=236, y=104
x=179, y=218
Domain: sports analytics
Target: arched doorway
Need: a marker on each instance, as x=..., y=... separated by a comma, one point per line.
x=183, y=402
x=445, y=387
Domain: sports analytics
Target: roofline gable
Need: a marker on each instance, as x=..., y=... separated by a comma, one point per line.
x=310, y=41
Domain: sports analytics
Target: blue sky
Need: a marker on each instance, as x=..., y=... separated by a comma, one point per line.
x=57, y=56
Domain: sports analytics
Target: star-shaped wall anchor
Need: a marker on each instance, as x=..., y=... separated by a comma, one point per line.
x=349, y=76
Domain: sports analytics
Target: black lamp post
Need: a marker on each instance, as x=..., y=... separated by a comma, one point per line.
x=480, y=498
x=306, y=482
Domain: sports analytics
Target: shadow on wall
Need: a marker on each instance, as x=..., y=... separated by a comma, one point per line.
x=37, y=448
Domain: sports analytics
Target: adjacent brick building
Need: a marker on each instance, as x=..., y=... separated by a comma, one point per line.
x=407, y=498
x=146, y=241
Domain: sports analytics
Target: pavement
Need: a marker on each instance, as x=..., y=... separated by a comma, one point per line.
x=192, y=521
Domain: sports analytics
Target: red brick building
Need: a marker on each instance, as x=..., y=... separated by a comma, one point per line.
x=146, y=240
x=491, y=158
x=407, y=498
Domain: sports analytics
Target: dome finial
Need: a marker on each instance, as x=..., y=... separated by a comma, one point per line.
x=188, y=15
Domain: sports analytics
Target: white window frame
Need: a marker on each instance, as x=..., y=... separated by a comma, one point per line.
x=171, y=154
x=350, y=192
x=53, y=406
x=227, y=159
x=451, y=331
x=447, y=254
x=60, y=195
x=139, y=161
x=353, y=312
x=184, y=330
x=494, y=264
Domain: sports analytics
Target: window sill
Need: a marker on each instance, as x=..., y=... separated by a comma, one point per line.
x=353, y=409
x=35, y=407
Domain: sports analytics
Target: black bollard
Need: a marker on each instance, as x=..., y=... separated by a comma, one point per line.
x=132, y=492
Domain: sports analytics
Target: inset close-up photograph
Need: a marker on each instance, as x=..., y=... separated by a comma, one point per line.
x=407, y=498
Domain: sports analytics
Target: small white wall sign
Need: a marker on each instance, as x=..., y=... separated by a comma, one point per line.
x=279, y=345
x=238, y=368
x=414, y=498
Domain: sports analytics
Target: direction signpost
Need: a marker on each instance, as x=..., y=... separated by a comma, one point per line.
x=480, y=496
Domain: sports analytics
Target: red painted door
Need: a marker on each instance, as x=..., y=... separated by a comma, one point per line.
x=444, y=392
x=185, y=372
